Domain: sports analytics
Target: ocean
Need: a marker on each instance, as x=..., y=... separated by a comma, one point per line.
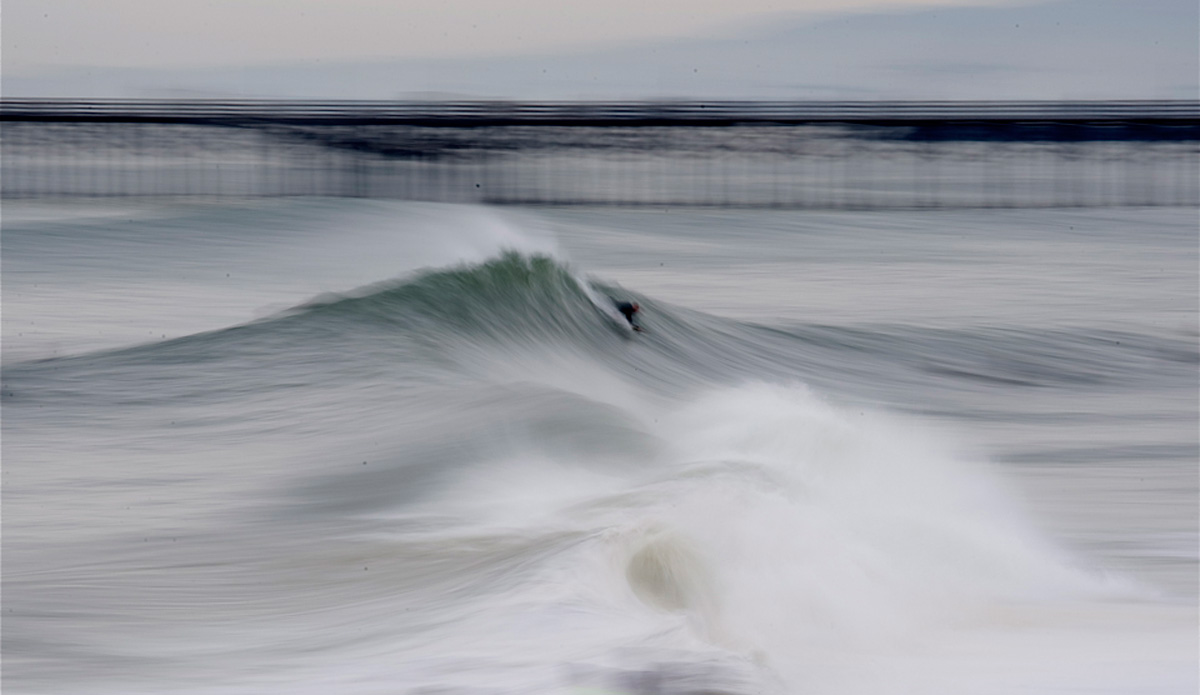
x=321, y=445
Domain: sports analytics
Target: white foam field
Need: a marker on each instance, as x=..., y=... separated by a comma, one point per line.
x=778, y=543
x=837, y=548
x=749, y=539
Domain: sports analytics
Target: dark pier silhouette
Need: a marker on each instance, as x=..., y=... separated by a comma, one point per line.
x=774, y=154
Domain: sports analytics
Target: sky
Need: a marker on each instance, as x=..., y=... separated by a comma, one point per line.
x=190, y=33
x=615, y=49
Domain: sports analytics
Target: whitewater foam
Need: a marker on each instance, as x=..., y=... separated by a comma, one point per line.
x=761, y=525
x=797, y=534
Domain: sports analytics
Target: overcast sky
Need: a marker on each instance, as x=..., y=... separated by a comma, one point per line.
x=608, y=49
x=192, y=33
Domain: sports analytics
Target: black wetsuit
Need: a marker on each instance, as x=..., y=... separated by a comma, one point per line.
x=627, y=310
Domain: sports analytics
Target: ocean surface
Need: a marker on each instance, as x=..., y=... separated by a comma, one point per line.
x=350, y=446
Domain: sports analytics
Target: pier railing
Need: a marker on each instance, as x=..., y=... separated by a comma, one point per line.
x=774, y=154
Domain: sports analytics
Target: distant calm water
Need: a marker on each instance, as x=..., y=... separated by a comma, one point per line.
x=348, y=446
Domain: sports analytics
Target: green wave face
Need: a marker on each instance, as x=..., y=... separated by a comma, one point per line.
x=512, y=296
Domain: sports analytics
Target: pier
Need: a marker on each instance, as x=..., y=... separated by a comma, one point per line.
x=819, y=155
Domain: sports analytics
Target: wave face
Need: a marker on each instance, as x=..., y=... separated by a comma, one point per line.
x=471, y=478
x=524, y=309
